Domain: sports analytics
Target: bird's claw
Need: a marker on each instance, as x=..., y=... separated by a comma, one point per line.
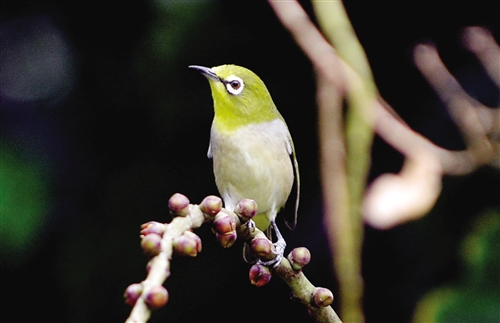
x=279, y=246
x=250, y=225
x=280, y=250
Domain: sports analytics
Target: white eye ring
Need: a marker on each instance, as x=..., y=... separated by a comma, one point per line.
x=234, y=85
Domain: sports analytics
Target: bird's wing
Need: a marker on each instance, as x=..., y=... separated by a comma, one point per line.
x=209, y=152
x=291, y=218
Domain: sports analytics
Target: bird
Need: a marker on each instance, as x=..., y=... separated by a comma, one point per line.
x=252, y=150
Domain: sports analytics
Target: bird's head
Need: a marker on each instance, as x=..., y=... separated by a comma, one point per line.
x=240, y=97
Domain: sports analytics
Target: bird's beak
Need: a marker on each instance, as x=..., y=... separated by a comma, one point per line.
x=206, y=71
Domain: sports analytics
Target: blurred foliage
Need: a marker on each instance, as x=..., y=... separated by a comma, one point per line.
x=158, y=58
x=475, y=296
x=24, y=203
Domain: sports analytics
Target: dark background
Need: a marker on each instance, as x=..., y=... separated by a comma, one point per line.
x=102, y=121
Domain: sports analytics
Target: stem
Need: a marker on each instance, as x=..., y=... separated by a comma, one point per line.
x=335, y=23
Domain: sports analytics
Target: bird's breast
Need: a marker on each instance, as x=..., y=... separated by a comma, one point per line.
x=253, y=162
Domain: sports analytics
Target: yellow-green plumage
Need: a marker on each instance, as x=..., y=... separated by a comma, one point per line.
x=251, y=147
x=254, y=105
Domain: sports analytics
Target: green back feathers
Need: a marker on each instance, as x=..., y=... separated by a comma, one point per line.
x=240, y=98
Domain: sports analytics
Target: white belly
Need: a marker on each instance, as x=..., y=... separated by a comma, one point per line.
x=254, y=163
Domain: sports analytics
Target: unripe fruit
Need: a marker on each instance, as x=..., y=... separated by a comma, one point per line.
x=263, y=248
x=132, y=294
x=246, y=209
x=299, y=257
x=152, y=227
x=322, y=297
x=156, y=297
x=259, y=275
x=178, y=204
x=226, y=240
x=151, y=244
x=211, y=205
x=224, y=223
x=187, y=244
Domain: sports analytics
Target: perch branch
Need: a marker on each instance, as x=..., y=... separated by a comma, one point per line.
x=162, y=241
x=159, y=265
x=305, y=292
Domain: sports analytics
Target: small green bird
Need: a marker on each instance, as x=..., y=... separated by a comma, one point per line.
x=251, y=147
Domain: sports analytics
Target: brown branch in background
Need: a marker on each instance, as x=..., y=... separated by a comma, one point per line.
x=479, y=124
x=460, y=105
x=334, y=181
x=411, y=144
x=330, y=93
x=393, y=198
x=481, y=42
x=359, y=119
x=390, y=199
x=425, y=162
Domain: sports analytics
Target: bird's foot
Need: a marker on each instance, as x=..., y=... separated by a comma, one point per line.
x=251, y=225
x=279, y=246
x=280, y=250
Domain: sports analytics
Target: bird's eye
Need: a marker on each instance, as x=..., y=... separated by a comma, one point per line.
x=234, y=85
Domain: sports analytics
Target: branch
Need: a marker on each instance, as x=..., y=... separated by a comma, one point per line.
x=480, y=125
x=162, y=241
x=342, y=186
x=392, y=198
x=158, y=241
x=481, y=42
x=312, y=297
x=462, y=108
